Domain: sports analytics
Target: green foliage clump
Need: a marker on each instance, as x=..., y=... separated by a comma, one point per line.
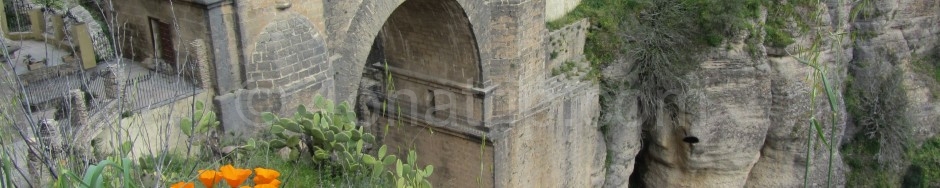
x=107, y=173
x=877, y=104
x=55, y=4
x=779, y=14
x=926, y=165
x=865, y=173
x=777, y=37
x=928, y=65
x=866, y=10
x=202, y=121
x=662, y=39
x=718, y=19
x=331, y=137
x=17, y=19
x=326, y=132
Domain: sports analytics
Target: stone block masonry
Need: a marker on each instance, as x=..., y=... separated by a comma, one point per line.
x=287, y=50
x=114, y=81
x=202, y=74
x=77, y=110
x=281, y=56
x=567, y=43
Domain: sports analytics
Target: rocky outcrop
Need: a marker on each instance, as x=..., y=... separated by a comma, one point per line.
x=622, y=138
x=904, y=35
x=713, y=136
x=783, y=161
x=746, y=120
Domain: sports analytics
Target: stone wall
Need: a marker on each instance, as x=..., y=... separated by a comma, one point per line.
x=284, y=65
x=558, y=143
x=356, y=25
x=459, y=160
x=149, y=138
x=68, y=67
x=136, y=41
x=555, y=9
x=432, y=54
x=523, y=114
x=567, y=43
x=78, y=16
x=287, y=51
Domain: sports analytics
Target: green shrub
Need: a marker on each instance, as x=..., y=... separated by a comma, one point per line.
x=927, y=160
x=55, y=4
x=327, y=132
x=107, y=173
x=878, y=107
x=777, y=37
x=332, y=138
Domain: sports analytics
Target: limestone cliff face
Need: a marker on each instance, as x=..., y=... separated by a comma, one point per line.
x=751, y=108
x=783, y=159
x=900, y=35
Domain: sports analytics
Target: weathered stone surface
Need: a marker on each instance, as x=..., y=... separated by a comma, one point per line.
x=78, y=15
x=239, y=111
x=567, y=43
x=555, y=9
x=186, y=21
x=727, y=112
x=114, y=81
x=288, y=50
x=623, y=139
x=525, y=112
x=902, y=33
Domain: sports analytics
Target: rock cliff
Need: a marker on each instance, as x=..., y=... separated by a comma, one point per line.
x=747, y=118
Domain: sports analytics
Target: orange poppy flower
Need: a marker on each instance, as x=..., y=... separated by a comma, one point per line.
x=183, y=185
x=265, y=176
x=209, y=177
x=234, y=176
x=273, y=183
x=266, y=186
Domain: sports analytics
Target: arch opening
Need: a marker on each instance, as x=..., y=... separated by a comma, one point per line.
x=421, y=87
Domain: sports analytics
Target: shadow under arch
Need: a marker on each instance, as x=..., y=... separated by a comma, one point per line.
x=421, y=88
x=354, y=45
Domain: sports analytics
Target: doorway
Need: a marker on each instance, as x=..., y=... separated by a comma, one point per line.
x=162, y=39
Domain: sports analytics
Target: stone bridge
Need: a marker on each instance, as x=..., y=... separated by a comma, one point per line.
x=466, y=83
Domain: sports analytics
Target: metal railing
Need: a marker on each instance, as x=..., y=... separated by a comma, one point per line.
x=155, y=89
x=142, y=91
x=16, y=12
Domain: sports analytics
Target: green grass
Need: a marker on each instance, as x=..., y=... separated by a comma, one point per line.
x=699, y=23
x=924, y=169
x=864, y=171
x=880, y=151
x=300, y=173
x=297, y=173
x=927, y=160
x=929, y=65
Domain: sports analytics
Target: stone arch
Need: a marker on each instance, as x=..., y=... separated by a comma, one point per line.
x=432, y=49
x=289, y=49
x=432, y=38
x=354, y=47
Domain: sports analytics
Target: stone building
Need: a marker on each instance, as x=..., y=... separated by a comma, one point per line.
x=158, y=33
x=471, y=79
x=469, y=84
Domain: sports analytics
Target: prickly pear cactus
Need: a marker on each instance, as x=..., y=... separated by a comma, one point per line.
x=330, y=134
x=330, y=131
